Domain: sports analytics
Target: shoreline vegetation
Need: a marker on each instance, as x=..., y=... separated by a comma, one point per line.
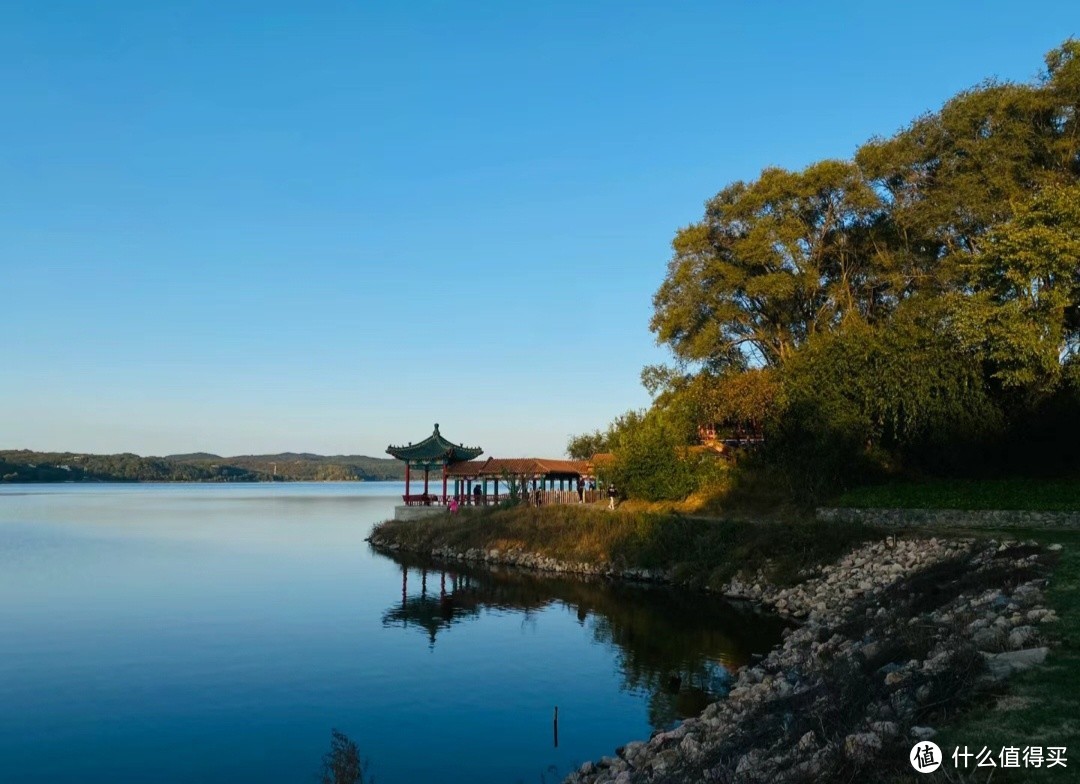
x=25, y=466
x=910, y=314
x=902, y=635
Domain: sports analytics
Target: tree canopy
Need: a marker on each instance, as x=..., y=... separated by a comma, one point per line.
x=915, y=307
x=793, y=254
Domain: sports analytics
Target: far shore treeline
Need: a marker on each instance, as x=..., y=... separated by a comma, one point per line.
x=912, y=312
x=26, y=466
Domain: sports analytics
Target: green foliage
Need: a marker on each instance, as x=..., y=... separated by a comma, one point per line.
x=867, y=400
x=773, y=262
x=651, y=460
x=1044, y=495
x=916, y=309
x=903, y=383
x=1023, y=312
x=585, y=445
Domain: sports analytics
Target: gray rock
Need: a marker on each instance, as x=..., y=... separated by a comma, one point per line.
x=937, y=663
x=691, y=747
x=749, y=762
x=886, y=729
x=861, y=747
x=923, y=733
x=1020, y=637
x=991, y=638
x=896, y=677
x=903, y=704
x=1002, y=665
x=664, y=760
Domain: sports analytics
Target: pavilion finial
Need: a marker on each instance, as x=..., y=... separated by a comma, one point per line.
x=436, y=428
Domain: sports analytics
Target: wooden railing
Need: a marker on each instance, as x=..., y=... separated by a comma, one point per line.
x=423, y=499
x=547, y=497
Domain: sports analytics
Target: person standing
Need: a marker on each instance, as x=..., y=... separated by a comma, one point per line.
x=581, y=489
x=612, y=494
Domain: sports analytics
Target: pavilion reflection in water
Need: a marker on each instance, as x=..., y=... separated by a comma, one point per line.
x=435, y=609
x=678, y=648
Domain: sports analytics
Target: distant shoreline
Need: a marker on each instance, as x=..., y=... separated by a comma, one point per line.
x=186, y=481
x=28, y=467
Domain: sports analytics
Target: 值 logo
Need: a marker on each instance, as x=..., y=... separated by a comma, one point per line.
x=925, y=757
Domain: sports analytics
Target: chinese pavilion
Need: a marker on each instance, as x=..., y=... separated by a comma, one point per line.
x=433, y=452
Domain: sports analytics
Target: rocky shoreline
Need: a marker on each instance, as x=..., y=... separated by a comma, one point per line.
x=889, y=639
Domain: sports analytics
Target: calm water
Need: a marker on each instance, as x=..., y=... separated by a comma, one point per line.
x=216, y=633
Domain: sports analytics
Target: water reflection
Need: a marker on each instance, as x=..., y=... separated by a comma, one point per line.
x=677, y=647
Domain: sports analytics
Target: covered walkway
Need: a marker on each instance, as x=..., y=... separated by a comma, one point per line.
x=491, y=481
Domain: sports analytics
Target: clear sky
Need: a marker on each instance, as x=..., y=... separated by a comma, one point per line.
x=322, y=226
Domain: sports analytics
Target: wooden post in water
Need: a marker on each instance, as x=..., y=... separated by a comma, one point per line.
x=556, y=726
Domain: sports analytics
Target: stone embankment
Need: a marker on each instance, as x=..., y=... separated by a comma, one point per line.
x=534, y=561
x=951, y=518
x=889, y=638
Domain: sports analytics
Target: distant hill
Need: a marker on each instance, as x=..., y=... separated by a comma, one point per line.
x=297, y=466
x=22, y=465
x=194, y=456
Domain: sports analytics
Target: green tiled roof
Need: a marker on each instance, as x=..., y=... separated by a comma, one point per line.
x=434, y=449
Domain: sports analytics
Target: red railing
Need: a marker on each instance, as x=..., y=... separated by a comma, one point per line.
x=491, y=499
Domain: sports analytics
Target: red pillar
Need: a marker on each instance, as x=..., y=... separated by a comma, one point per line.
x=444, y=483
x=425, y=479
x=406, y=482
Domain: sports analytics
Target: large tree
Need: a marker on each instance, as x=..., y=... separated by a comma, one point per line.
x=792, y=254
x=773, y=262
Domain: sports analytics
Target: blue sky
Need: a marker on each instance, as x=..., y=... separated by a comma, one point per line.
x=323, y=226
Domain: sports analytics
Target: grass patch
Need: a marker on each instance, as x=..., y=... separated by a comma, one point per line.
x=1041, y=495
x=699, y=551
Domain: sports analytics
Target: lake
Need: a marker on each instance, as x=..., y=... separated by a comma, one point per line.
x=218, y=633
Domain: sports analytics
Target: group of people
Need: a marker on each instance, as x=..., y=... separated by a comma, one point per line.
x=612, y=492
x=582, y=486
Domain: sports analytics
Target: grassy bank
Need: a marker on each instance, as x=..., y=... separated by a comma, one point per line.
x=704, y=552
x=1040, y=707
x=1040, y=495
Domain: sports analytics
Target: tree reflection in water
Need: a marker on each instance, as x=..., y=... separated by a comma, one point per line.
x=678, y=647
